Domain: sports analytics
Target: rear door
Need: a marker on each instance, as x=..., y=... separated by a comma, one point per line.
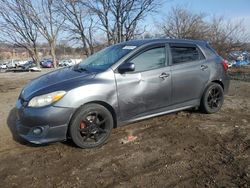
x=148, y=88
x=190, y=72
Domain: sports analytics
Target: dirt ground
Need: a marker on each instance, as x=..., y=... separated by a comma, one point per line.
x=184, y=149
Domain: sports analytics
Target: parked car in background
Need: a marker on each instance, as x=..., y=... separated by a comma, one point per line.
x=19, y=63
x=239, y=58
x=3, y=66
x=11, y=64
x=66, y=63
x=46, y=63
x=28, y=65
x=118, y=85
x=77, y=61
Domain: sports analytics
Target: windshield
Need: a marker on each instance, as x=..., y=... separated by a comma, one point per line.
x=106, y=57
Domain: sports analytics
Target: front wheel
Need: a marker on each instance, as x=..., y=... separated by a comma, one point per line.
x=91, y=126
x=212, y=99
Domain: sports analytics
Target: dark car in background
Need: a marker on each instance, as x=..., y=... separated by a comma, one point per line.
x=118, y=85
x=28, y=65
x=46, y=63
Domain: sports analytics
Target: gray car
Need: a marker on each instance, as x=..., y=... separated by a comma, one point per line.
x=118, y=85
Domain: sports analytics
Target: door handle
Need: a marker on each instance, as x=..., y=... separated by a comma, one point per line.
x=204, y=67
x=164, y=75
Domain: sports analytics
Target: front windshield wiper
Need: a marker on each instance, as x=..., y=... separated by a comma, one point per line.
x=79, y=69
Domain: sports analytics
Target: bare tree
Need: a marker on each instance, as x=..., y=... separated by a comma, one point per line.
x=120, y=18
x=17, y=27
x=101, y=8
x=224, y=35
x=79, y=22
x=133, y=12
x=48, y=21
x=181, y=23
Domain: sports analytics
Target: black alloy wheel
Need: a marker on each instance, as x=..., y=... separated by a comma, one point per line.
x=91, y=126
x=212, y=99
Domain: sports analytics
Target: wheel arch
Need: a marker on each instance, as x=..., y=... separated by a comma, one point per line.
x=219, y=82
x=208, y=83
x=102, y=103
x=110, y=109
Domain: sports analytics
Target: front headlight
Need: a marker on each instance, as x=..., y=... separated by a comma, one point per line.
x=47, y=99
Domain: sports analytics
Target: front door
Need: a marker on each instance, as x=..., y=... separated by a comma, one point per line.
x=148, y=87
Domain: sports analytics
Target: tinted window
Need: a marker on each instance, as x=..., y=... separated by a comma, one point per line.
x=181, y=54
x=150, y=59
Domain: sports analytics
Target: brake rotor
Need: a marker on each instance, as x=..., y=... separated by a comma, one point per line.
x=83, y=125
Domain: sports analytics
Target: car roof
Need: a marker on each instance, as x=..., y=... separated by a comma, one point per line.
x=153, y=41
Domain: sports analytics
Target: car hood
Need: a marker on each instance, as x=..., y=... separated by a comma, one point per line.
x=62, y=79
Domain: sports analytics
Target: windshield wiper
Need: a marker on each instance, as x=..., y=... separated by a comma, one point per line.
x=79, y=69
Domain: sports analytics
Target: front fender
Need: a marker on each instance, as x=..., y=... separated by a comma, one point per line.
x=101, y=88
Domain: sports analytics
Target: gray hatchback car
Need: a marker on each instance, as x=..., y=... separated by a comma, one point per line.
x=123, y=83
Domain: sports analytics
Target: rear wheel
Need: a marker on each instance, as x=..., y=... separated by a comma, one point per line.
x=91, y=126
x=212, y=99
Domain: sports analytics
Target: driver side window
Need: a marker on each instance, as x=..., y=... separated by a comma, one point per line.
x=150, y=59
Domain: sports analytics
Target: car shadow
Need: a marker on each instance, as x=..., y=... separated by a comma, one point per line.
x=69, y=143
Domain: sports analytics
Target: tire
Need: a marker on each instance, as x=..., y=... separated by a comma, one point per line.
x=91, y=126
x=212, y=99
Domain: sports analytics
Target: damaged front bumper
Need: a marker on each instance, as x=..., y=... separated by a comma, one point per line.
x=42, y=125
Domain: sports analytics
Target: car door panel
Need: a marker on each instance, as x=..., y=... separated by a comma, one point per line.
x=143, y=92
x=188, y=81
x=189, y=76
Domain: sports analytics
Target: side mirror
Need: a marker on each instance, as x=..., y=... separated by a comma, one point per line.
x=126, y=67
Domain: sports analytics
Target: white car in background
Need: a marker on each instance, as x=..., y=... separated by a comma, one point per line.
x=11, y=64
x=20, y=63
x=3, y=66
x=77, y=61
x=66, y=63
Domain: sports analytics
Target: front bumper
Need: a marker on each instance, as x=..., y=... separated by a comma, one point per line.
x=42, y=125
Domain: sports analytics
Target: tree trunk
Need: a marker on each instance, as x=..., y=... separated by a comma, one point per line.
x=53, y=51
x=36, y=56
x=90, y=47
x=108, y=38
x=85, y=48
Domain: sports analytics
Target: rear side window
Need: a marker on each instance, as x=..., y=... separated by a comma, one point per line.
x=185, y=53
x=210, y=51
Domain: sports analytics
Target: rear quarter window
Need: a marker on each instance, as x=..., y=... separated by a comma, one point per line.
x=185, y=53
x=210, y=52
